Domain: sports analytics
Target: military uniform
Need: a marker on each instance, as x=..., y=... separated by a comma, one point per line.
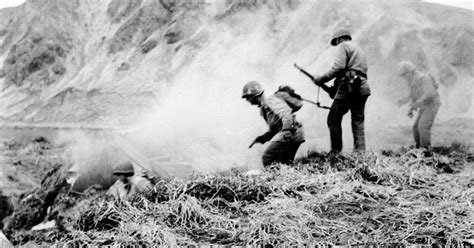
x=350, y=63
x=285, y=133
x=424, y=98
x=135, y=185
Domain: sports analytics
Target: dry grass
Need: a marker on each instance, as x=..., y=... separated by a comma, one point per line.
x=394, y=198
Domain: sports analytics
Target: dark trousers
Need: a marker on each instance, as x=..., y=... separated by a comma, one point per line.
x=339, y=108
x=281, y=152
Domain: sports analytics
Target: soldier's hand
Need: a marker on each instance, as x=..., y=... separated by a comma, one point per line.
x=260, y=139
x=317, y=80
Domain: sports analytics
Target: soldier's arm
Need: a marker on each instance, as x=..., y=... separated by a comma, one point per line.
x=283, y=111
x=339, y=64
x=143, y=184
x=268, y=135
x=428, y=91
x=279, y=119
x=118, y=191
x=403, y=101
x=273, y=128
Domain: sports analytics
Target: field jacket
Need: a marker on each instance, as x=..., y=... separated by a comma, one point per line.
x=281, y=122
x=423, y=90
x=348, y=58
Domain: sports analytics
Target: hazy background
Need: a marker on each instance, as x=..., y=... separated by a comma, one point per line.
x=174, y=76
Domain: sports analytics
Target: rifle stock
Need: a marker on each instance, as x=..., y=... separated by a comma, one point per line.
x=330, y=90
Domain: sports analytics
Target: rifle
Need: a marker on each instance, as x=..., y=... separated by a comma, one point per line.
x=253, y=143
x=318, y=104
x=330, y=90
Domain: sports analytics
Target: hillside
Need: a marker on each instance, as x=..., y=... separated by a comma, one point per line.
x=113, y=61
x=174, y=72
x=85, y=60
x=86, y=84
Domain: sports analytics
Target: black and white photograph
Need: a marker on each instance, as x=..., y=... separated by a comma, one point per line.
x=236, y=123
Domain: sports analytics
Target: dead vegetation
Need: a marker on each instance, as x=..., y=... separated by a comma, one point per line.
x=403, y=197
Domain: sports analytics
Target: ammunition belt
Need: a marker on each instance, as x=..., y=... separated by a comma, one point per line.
x=353, y=73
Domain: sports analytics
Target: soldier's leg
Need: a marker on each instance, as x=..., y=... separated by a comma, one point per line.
x=416, y=132
x=277, y=151
x=292, y=149
x=357, y=122
x=338, y=109
x=425, y=124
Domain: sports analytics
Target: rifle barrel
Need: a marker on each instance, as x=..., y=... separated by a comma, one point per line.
x=304, y=72
x=253, y=143
x=306, y=100
x=315, y=103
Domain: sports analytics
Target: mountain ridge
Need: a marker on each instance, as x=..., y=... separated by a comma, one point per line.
x=100, y=62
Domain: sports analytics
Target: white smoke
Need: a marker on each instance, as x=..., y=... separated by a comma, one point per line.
x=203, y=121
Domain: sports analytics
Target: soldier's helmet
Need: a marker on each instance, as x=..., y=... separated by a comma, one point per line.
x=125, y=168
x=405, y=67
x=340, y=32
x=252, y=88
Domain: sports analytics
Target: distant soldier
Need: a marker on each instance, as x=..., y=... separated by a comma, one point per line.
x=284, y=131
x=349, y=72
x=128, y=184
x=423, y=97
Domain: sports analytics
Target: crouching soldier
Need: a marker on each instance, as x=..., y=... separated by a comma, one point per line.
x=286, y=134
x=423, y=98
x=128, y=184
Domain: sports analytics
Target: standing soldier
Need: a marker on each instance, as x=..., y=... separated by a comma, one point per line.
x=350, y=73
x=424, y=98
x=287, y=134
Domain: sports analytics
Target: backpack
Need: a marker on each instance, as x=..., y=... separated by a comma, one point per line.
x=287, y=94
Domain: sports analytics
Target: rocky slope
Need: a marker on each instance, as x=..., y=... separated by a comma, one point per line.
x=102, y=61
x=177, y=68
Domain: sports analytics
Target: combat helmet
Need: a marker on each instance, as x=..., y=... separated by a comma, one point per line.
x=252, y=88
x=125, y=168
x=405, y=67
x=340, y=32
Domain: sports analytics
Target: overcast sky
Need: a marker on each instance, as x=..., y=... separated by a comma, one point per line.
x=10, y=3
x=467, y=4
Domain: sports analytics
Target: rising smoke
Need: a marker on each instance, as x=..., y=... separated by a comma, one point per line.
x=202, y=120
